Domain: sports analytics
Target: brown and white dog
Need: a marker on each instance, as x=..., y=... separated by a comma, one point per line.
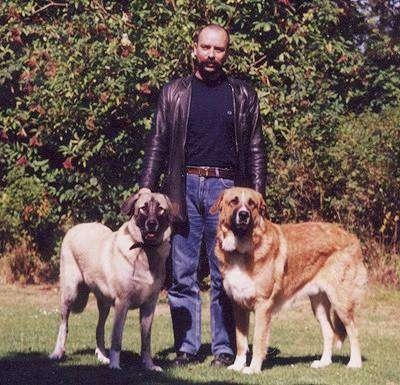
x=265, y=266
x=124, y=269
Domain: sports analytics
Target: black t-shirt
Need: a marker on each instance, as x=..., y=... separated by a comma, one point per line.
x=210, y=137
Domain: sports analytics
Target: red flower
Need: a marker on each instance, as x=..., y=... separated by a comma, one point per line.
x=22, y=161
x=16, y=36
x=22, y=133
x=153, y=52
x=144, y=88
x=67, y=164
x=104, y=96
x=34, y=141
x=4, y=135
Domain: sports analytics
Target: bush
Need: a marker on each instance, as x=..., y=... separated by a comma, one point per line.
x=365, y=186
x=23, y=264
x=79, y=81
x=29, y=226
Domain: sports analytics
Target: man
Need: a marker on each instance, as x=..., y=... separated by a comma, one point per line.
x=206, y=137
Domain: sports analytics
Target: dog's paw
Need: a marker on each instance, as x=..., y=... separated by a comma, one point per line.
x=354, y=364
x=57, y=355
x=101, y=356
x=236, y=368
x=148, y=363
x=250, y=370
x=114, y=360
x=239, y=364
x=229, y=243
x=318, y=364
x=155, y=368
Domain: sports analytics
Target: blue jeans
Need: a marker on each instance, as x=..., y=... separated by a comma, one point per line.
x=184, y=294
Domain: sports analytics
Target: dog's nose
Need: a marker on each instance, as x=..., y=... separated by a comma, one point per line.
x=243, y=216
x=151, y=225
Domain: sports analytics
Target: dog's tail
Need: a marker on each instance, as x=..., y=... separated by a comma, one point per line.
x=339, y=331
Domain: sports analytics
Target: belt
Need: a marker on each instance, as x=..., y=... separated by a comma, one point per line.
x=211, y=172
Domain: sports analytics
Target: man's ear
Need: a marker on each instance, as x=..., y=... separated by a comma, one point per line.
x=193, y=54
x=217, y=204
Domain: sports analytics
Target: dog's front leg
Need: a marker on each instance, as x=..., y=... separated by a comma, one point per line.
x=146, y=320
x=242, y=331
x=262, y=320
x=121, y=309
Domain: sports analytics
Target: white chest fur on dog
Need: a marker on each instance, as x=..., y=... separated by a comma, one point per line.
x=238, y=285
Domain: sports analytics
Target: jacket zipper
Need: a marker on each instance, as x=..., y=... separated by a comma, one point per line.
x=234, y=119
x=187, y=121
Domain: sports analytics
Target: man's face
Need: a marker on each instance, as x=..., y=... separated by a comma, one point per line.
x=211, y=50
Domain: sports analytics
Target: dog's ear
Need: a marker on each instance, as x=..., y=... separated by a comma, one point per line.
x=127, y=208
x=172, y=207
x=129, y=204
x=262, y=207
x=217, y=204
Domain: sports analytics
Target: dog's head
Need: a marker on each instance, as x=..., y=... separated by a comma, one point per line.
x=240, y=209
x=151, y=213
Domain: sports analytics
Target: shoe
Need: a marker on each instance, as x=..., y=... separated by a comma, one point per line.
x=183, y=359
x=223, y=359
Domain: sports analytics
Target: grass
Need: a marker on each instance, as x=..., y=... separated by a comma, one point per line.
x=29, y=324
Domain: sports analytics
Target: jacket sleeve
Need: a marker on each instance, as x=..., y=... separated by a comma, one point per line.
x=257, y=151
x=156, y=152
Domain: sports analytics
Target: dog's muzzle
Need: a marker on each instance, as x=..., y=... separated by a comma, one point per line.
x=152, y=228
x=241, y=221
x=243, y=217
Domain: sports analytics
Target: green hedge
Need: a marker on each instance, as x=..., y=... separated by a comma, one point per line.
x=79, y=81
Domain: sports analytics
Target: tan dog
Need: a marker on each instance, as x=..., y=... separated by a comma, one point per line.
x=124, y=269
x=265, y=266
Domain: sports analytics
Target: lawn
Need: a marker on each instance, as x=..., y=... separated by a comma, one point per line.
x=29, y=324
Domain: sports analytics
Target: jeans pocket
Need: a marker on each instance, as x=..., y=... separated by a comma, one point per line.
x=227, y=183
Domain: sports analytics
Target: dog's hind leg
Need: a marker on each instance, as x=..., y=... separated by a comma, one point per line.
x=59, y=349
x=73, y=297
x=321, y=307
x=104, y=310
x=347, y=318
x=339, y=330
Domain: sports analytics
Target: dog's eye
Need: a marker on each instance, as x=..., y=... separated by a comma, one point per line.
x=251, y=203
x=234, y=201
x=161, y=211
x=142, y=210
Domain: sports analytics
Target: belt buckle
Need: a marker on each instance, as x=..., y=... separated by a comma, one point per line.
x=206, y=169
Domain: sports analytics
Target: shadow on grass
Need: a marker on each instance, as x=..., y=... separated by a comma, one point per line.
x=293, y=360
x=37, y=369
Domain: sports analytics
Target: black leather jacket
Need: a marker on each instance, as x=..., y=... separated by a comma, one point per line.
x=165, y=152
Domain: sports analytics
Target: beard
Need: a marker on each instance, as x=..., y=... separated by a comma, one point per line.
x=209, y=68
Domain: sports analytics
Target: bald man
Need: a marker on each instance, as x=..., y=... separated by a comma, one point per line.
x=206, y=137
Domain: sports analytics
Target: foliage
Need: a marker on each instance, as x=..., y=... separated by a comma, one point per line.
x=29, y=229
x=79, y=80
x=27, y=210
x=367, y=179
